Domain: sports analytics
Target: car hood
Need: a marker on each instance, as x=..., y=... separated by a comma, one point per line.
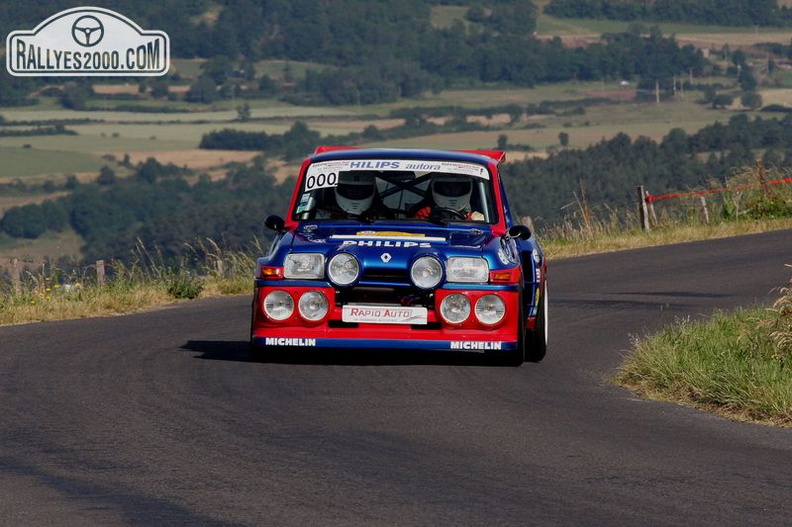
x=402, y=237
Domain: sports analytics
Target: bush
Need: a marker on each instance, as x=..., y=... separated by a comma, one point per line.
x=782, y=326
x=26, y=221
x=182, y=284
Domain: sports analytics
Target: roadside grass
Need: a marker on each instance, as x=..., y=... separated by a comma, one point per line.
x=749, y=206
x=52, y=293
x=568, y=240
x=736, y=365
x=733, y=364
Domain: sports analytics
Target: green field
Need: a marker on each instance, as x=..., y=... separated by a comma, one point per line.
x=551, y=26
x=49, y=245
x=20, y=162
x=120, y=132
x=547, y=26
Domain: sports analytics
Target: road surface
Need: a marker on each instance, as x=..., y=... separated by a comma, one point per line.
x=159, y=418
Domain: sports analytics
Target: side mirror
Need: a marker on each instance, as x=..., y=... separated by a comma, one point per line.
x=274, y=222
x=521, y=232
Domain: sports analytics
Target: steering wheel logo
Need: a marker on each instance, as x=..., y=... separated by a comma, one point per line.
x=87, y=31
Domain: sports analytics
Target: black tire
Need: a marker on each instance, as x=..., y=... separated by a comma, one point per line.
x=256, y=353
x=536, y=339
x=517, y=356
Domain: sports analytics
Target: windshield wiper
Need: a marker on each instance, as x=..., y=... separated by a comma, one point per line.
x=362, y=218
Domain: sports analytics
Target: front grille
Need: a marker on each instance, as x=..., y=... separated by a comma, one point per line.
x=395, y=277
x=399, y=296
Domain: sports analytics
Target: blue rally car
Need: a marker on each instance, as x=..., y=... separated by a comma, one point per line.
x=402, y=249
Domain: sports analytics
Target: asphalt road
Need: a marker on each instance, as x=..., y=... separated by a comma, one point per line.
x=160, y=419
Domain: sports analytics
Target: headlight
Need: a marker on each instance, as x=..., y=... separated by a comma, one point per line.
x=278, y=305
x=313, y=305
x=303, y=265
x=426, y=272
x=343, y=269
x=455, y=308
x=470, y=270
x=490, y=309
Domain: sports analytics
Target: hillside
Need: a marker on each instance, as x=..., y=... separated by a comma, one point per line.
x=594, y=104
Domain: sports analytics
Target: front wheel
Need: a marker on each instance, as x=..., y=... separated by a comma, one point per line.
x=536, y=339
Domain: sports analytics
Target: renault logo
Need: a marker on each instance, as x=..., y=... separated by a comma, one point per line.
x=385, y=257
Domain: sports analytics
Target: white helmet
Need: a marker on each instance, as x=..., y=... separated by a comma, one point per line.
x=452, y=192
x=355, y=192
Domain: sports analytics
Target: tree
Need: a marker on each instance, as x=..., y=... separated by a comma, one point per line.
x=299, y=141
x=722, y=100
x=75, y=95
x=563, y=138
x=14, y=91
x=243, y=112
x=747, y=79
x=107, y=176
x=203, y=89
x=751, y=99
x=150, y=171
x=160, y=90
x=26, y=221
x=71, y=182
x=267, y=87
x=708, y=93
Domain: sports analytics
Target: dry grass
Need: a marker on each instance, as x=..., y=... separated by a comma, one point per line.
x=33, y=253
x=195, y=159
x=732, y=365
x=45, y=292
x=559, y=243
x=734, y=39
x=7, y=202
x=115, y=89
x=52, y=304
x=779, y=96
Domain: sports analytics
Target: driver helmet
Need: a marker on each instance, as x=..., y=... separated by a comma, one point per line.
x=355, y=191
x=452, y=192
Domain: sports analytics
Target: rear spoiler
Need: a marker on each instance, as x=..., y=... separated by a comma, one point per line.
x=499, y=156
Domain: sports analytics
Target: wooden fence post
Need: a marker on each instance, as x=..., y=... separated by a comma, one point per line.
x=704, y=210
x=642, y=210
x=100, y=273
x=650, y=206
x=16, y=280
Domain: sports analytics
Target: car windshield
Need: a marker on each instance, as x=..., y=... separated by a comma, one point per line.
x=381, y=189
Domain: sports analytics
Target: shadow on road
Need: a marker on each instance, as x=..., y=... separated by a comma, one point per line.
x=231, y=350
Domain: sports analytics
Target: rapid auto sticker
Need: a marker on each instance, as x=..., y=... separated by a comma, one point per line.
x=384, y=314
